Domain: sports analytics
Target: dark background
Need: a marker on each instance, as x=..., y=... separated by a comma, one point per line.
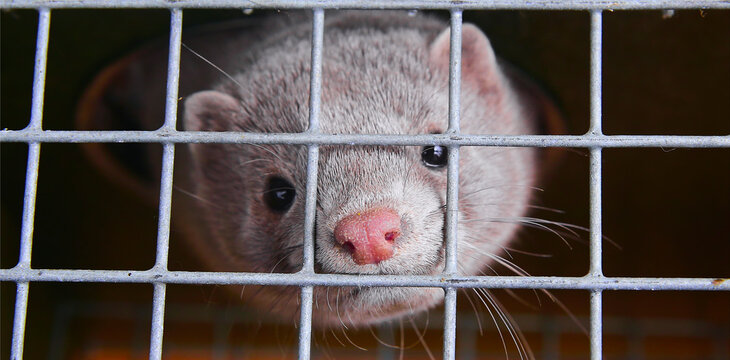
x=667, y=209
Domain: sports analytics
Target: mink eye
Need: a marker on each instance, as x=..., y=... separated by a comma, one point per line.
x=279, y=194
x=435, y=156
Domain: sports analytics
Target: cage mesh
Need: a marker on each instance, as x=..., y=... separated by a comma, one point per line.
x=159, y=275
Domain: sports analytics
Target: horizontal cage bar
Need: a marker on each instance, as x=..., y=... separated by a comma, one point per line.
x=164, y=136
x=378, y=4
x=302, y=279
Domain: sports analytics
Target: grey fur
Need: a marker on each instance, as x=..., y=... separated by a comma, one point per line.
x=383, y=73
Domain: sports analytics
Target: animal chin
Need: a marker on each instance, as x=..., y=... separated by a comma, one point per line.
x=371, y=305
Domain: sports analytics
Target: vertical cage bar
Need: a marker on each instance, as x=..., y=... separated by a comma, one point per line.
x=596, y=71
x=168, y=149
x=315, y=92
x=315, y=95
x=21, y=297
x=315, y=76
x=168, y=161
x=450, y=323
x=455, y=71
x=452, y=195
x=21, y=310
x=452, y=184
x=310, y=210
x=31, y=183
x=36, y=119
x=158, y=323
x=596, y=233
x=39, y=76
x=305, y=323
x=163, y=242
x=596, y=330
x=29, y=198
x=173, y=69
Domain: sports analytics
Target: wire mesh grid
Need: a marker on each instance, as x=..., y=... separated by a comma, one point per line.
x=159, y=275
x=223, y=344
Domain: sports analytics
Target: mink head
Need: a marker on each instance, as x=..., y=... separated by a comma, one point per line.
x=380, y=209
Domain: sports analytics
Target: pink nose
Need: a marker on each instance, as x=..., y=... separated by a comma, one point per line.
x=369, y=236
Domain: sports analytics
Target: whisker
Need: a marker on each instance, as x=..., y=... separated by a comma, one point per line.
x=506, y=249
x=344, y=332
x=256, y=160
x=402, y=339
x=515, y=332
x=332, y=330
x=494, y=320
x=262, y=147
x=524, y=222
x=467, y=195
x=421, y=339
x=480, y=252
x=570, y=228
x=337, y=307
x=565, y=309
x=505, y=321
x=509, y=265
x=538, y=207
x=522, y=301
x=379, y=340
x=327, y=296
x=195, y=196
x=476, y=312
x=201, y=57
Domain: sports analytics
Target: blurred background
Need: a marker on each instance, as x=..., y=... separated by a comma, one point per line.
x=666, y=210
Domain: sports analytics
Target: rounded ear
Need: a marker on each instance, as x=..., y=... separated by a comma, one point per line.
x=127, y=95
x=478, y=62
x=211, y=111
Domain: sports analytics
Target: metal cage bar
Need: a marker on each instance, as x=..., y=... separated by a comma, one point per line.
x=300, y=279
x=159, y=276
x=452, y=184
x=595, y=180
x=310, y=211
x=165, y=205
x=31, y=183
x=201, y=137
x=380, y=4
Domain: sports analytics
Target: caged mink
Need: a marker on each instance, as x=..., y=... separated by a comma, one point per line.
x=380, y=209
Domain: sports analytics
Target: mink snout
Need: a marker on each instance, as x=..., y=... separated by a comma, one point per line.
x=369, y=236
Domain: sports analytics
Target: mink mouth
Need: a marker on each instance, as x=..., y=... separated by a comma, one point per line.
x=421, y=299
x=355, y=292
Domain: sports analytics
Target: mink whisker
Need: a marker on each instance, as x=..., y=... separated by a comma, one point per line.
x=494, y=320
x=196, y=196
x=379, y=340
x=213, y=65
x=465, y=196
x=514, y=332
x=420, y=337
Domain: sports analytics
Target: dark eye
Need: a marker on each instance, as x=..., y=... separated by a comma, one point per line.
x=279, y=194
x=435, y=156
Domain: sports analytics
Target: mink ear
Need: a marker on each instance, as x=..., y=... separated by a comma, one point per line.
x=478, y=62
x=211, y=111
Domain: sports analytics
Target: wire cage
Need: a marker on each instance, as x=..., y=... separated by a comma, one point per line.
x=595, y=283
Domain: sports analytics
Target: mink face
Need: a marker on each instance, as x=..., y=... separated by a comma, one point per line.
x=380, y=209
